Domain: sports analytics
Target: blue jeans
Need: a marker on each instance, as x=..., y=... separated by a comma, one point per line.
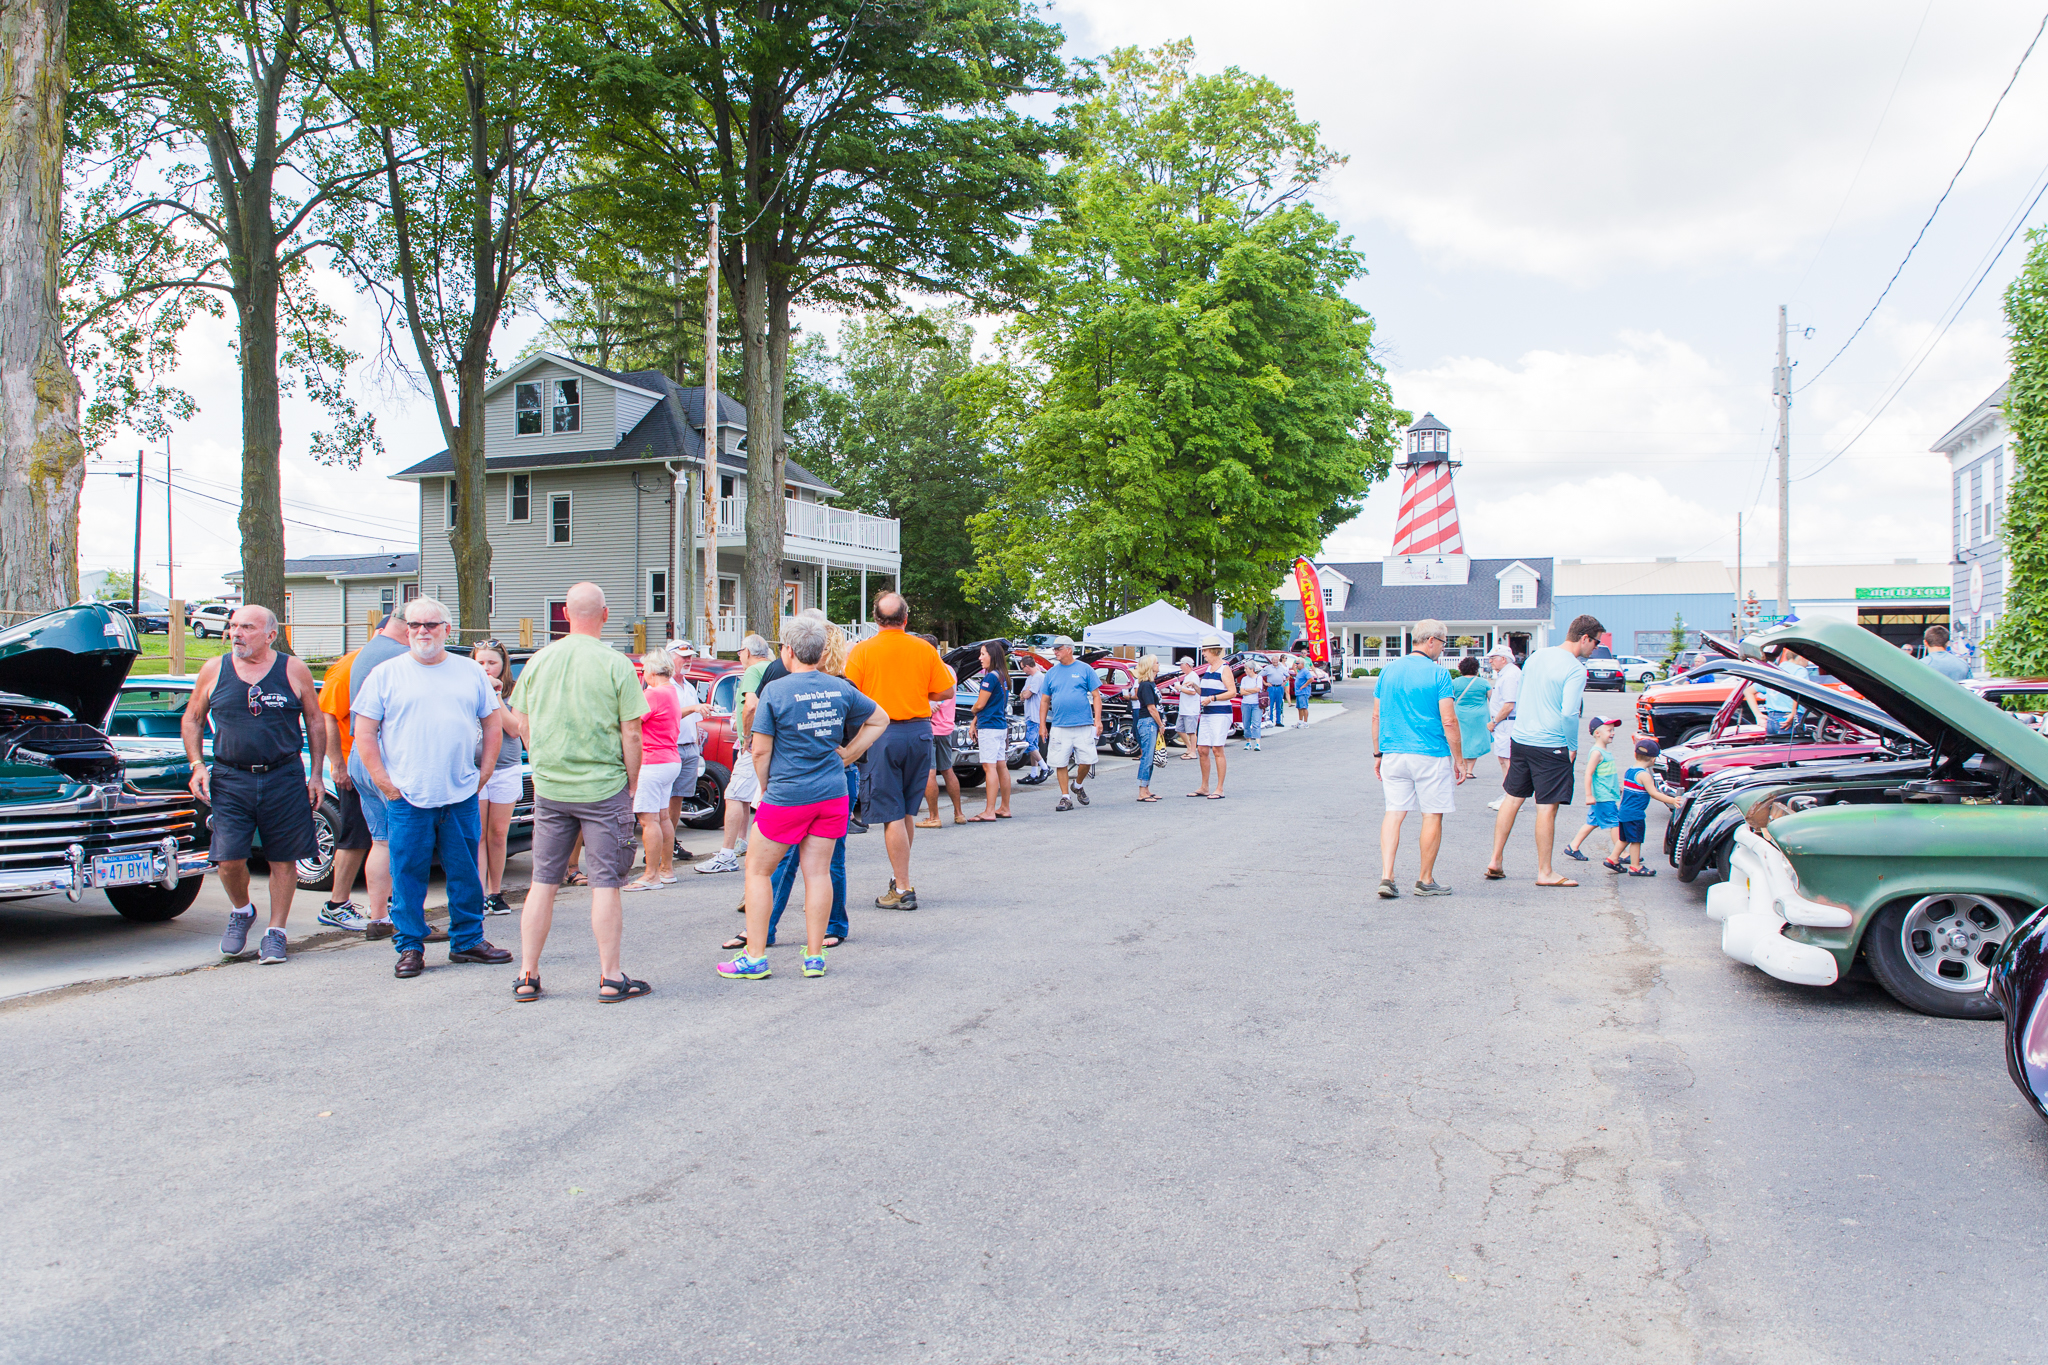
x=1148, y=749
x=1031, y=735
x=417, y=834
x=1251, y=715
x=1276, y=701
x=785, y=875
x=1778, y=722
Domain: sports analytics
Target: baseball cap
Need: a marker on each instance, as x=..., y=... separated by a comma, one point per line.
x=1500, y=652
x=1648, y=748
x=682, y=648
x=1062, y=642
x=1594, y=723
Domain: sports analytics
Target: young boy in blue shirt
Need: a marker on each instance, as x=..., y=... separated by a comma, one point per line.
x=1638, y=789
x=1603, y=793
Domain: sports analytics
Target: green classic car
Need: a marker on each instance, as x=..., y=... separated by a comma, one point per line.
x=72, y=816
x=1922, y=878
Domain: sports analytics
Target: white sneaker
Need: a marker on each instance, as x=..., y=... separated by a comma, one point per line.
x=725, y=860
x=1494, y=805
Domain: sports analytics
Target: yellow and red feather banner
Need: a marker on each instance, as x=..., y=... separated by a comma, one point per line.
x=1315, y=626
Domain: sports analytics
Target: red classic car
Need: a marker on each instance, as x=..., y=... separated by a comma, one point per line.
x=1834, y=725
x=718, y=683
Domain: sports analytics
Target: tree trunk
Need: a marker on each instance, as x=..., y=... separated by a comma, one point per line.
x=42, y=460
x=1202, y=603
x=262, y=516
x=469, y=538
x=762, y=576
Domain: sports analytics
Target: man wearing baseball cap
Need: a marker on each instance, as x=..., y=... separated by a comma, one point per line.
x=1507, y=685
x=1070, y=714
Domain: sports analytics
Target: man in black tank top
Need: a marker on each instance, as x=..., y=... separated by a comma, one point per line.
x=264, y=708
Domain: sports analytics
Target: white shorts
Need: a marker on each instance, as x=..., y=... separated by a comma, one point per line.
x=992, y=744
x=1504, y=738
x=1214, y=732
x=503, y=787
x=745, y=784
x=1071, y=741
x=652, y=793
x=1418, y=782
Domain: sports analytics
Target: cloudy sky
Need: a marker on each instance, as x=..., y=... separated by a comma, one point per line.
x=1580, y=219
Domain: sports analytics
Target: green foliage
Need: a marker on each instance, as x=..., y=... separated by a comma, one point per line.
x=881, y=422
x=2018, y=646
x=1190, y=400
x=119, y=586
x=1676, y=647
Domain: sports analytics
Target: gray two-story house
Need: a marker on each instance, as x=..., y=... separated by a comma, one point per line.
x=597, y=475
x=1981, y=468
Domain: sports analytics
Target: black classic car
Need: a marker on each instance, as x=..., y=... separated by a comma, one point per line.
x=71, y=820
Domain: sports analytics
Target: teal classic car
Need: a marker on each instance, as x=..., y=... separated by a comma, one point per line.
x=72, y=819
x=1921, y=878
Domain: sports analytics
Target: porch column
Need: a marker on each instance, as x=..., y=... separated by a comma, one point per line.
x=863, y=592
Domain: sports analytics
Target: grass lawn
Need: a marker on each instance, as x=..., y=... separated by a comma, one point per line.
x=156, y=656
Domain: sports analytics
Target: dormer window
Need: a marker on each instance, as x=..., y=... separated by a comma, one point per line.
x=526, y=404
x=568, y=406
x=1518, y=594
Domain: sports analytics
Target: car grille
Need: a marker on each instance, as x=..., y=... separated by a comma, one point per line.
x=42, y=838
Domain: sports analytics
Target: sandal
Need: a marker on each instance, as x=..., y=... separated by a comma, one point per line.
x=1002, y=815
x=979, y=820
x=736, y=944
x=526, y=989
x=833, y=940
x=1494, y=876
x=575, y=879
x=640, y=886
x=1611, y=865
x=625, y=988
x=1642, y=872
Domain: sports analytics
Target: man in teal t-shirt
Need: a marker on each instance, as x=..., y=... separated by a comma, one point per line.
x=1413, y=717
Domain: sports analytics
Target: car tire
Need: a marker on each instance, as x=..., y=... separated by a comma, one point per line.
x=1915, y=970
x=1698, y=732
x=316, y=873
x=153, y=904
x=971, y=777
x=709, y=798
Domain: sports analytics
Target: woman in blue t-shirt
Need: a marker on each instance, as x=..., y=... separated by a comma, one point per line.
x=990, y=730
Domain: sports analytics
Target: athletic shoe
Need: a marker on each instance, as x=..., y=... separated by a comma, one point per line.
x=1080, y=795
x=744, y=968
x=739, y=850
x=342, y=916
x=496, y=904
x=1389, y=891
x=725, y=860
x=1495, y=804
x=1431, y=889
x=1066, y=803
x=1247, y=746
x=814, y=966
x=379, y=928
x=271, y=949
x=236, y=939
x=682, y=855
x=1258, y=746
x=1576, y=856
x=895, y=898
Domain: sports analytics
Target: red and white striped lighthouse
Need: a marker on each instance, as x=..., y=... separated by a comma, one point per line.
x=1428, y=546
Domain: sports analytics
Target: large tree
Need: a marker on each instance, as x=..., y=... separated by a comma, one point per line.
x=856, y=148
x=215, y=153
x=2018, y=646
x=884, y=425
x=1190, y=400
x=42, y=461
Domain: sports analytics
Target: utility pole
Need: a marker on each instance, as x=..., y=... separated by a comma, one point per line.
x=170, y=551
x=135, y=583
x=1781, y=384
x=1738, y=575
x=711, y=440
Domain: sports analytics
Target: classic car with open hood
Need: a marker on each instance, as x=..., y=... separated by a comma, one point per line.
x=1828, y=725
x=1923, y=876
x=70, y=820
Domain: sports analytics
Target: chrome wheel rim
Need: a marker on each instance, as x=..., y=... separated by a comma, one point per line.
x=314, y=868
x=1952, y=940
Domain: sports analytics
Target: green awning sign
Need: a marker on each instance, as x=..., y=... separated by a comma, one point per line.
x=1902, y=594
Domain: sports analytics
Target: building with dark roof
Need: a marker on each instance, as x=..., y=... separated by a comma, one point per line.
x=594, y=474
x=331, y=602
x=1369, y=620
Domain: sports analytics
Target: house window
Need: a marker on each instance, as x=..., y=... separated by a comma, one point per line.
x=1517, y=594
x=490, y=598
x=454, y=504
x=526, y=407
x=728, y=596
x=385, y=601
x=1994, y=510
x=727, y=485
x=558, y=519
x=1329, y=596
x=657, y=592
x=788, y=491
x=568, y=405
x=519, y=498
x=1976, y=503
x=412, y=590
x=792, y=598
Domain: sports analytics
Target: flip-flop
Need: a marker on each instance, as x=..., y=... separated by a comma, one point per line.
x=1493, y=876
x=979, y=820
x=833, y=940
x=1203, y=796
x=736, y=943
x=640, y=886
x=1003, y=815
x=1217, y=796
x=1566, y=882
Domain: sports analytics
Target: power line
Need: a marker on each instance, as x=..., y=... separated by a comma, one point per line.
x=1937, y=209
x=396, y=527
x=290, y=521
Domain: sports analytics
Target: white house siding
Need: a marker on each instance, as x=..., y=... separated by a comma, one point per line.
x=598, y=422
x=315, y=616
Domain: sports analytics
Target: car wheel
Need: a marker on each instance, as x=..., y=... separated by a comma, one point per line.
x=1934, y=954
x=971, y=777
x=153, y=904
x=705, y=808
x=1692, y=736
x=316, y=871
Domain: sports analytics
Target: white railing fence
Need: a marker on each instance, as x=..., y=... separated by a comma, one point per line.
x=818, y=524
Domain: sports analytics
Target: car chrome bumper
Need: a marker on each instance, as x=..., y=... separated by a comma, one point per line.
x=1758, y=902
x=169, y=866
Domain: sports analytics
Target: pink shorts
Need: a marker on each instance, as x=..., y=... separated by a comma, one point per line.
x=793, y=824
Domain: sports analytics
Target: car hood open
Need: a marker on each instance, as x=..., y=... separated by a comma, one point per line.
x=75, y=656
x=1908, y=690
x=1823, y=699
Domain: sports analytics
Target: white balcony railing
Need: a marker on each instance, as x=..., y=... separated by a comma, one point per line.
x=814, y=523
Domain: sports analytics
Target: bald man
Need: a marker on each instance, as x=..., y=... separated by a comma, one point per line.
x=265, y=710
x=903, y=675
x=584, y=703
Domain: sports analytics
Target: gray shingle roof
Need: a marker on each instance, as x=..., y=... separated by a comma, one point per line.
x=670, y=432
x=1371, y=602
x=400, y=565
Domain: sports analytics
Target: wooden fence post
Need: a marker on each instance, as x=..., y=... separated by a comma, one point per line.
x=177, y=635
x=526, y=632
x=639, y=637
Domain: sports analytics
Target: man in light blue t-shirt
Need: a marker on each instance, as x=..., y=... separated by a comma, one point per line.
x=1543, y=756
x=1070, y=706
x=1413, y=718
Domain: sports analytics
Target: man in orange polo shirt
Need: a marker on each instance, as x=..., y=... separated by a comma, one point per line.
x=903, y=675
x=357, y=849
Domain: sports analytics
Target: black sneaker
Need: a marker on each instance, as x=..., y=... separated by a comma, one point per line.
x=496, y=904
x=682, y=855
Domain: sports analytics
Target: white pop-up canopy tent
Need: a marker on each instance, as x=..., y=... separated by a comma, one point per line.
x=1159, y=626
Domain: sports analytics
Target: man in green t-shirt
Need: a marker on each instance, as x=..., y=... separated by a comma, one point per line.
x=743, y=790
x=584, y=703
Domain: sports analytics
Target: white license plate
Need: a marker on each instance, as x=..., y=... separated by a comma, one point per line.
x=123, y=869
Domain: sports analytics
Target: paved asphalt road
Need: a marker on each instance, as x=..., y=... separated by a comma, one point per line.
x=1138, y=1083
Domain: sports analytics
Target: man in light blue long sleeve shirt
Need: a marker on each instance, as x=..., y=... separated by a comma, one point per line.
x=1543, y=758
